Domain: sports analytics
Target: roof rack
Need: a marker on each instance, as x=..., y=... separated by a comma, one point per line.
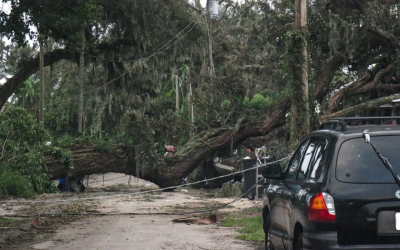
x=342, y=123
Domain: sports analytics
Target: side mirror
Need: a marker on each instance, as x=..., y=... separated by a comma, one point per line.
x=272, y=172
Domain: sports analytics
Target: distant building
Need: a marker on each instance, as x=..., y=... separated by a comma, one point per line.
x=391, y=109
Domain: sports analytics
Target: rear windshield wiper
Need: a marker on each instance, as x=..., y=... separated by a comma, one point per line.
x=384, y=160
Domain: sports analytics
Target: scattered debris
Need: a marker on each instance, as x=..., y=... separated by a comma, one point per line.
x=231, y=189
x=207, y=220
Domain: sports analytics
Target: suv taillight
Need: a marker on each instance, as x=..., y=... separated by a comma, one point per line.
x=322, y=208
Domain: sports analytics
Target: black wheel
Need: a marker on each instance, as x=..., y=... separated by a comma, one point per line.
x=299, y=242
x=267, y=227
x=267, y=241
x=82, y=188
x=250, y=196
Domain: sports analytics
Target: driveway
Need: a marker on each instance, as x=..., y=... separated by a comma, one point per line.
x=119, y=214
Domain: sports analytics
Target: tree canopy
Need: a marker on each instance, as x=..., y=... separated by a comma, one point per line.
x=151, y=80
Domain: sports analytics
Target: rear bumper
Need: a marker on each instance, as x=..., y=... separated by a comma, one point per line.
x=328, y=240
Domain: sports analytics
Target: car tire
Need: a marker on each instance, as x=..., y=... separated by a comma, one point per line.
x=267, y=227
x=250, y=196
x=299, y=242
x=268, y=242
x=82, y=188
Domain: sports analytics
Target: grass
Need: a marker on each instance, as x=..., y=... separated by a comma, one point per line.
x=150, y=197
x=249, y=224
x=8, y=222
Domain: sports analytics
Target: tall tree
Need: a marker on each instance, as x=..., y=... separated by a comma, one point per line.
x=133, y=49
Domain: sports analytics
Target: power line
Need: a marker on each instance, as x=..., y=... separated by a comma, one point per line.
x=161, y=49
x=161, y=189
x=138, y=61
x=200, y=211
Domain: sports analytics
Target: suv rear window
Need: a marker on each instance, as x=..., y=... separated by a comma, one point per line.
x=358, y=163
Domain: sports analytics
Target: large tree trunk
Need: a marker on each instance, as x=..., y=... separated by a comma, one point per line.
x=87, y=160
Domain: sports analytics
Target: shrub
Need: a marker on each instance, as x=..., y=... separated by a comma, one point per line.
x=14, y=184
x=22, y=139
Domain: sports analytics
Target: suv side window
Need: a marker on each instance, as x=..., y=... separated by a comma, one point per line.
x=295, y=161
x=317, y=164
x=307, y=158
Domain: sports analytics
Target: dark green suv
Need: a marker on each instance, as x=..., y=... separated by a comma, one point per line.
x=339, y=191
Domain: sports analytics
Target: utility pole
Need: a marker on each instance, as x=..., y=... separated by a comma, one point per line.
x=191, y=108
x=210, y=45
x=301, y=24
x=41, y=73
x=176, y=92
x=81, y=87
x=197, y=4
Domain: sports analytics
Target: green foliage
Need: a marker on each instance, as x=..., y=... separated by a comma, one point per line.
x=296, y=41
x=102, y=148
x=64, y=156
x=9, y=222
x=131, y=65
x=226, y=104
x=138, y=131
x=27, y=94
x=22, y=140
x=62, y=21
x=80, y=139
x=151, y=134
x=258, y=102
x=15, y=184
x=250, y=228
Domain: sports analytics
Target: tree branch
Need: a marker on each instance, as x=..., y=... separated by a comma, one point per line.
x=332, y=64
x=341, y=93
x=29, y=68
x=191, y=160
x=385, y=36
x=357, y=88
x=362, y=107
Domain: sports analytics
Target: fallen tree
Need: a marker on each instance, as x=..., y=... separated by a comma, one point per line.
x=87, y=160
x=167, y=171
x=121, y=159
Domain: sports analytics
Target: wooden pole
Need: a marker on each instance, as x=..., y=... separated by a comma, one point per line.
x=81, y=87
x=301, y=24
x=210, y=45
x=176, y=93
x=41, y=72
x=191, y=110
